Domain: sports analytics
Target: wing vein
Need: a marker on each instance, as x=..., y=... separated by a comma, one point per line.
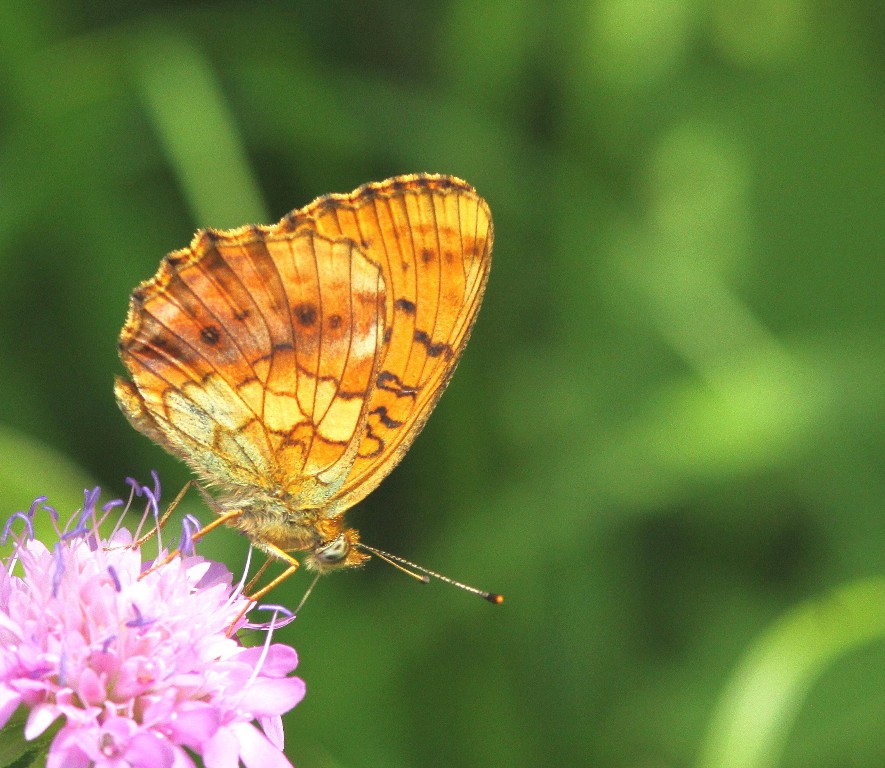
x=192, y=374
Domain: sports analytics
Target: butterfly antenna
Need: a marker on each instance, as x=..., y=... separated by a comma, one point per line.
x=390, y=560
x=410, y=568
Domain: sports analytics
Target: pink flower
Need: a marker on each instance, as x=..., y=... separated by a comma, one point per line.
x=141, y=671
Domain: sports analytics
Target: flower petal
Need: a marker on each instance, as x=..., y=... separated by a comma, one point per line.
x=39, y=719
x=9, y=701
x=272, y=697
x=279, y=661
x=182, y=759
x=222, y=750
x=273, y=729
x=255, y=750
x=90, y=687
x=65, y=752
x=195, y=725
x=146, y=750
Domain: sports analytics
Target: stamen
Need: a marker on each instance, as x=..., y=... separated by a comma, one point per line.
x=10, y=520
x=241, y=585
x=63, y=669
x=133, y=486
x=139, y=622
x=273, y=624
x=269, y=626
x=40, y=503
x=112, y=572
x=34, y=504
x=189, y=526
x=89, y=500
x=156, y=476
x=80, y=529
x=152, y=509
x=126, y=504
x=153, y=501
x=58, y=556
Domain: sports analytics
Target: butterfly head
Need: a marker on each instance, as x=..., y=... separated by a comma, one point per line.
x=339, y=552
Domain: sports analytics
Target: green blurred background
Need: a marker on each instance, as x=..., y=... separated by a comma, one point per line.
x=664, y=444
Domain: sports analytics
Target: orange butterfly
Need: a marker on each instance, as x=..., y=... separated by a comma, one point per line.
x=292, y=366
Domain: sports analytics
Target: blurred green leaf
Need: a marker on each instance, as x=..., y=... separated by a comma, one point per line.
x=184, y=100
x=753, y=718
x=15, y=752
x=29, y=469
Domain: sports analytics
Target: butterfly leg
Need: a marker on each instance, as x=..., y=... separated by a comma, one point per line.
x=218, y=521
x=155, y=530
x=285, y=557
x=258, y=574
x=280, y=554
x=162, y=521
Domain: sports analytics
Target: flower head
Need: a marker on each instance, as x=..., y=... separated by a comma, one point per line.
x=135, y=663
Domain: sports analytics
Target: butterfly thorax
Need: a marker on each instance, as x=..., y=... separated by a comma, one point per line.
x=277, y=522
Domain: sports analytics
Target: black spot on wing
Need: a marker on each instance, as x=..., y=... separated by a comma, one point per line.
x=210, y=335
x=390, y=382
x=433, y=349
x=405, y=305
x=381, y=413
x=305, y=314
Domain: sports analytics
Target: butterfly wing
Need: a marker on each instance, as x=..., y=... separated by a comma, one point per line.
x=431, y=239
x=252, y=354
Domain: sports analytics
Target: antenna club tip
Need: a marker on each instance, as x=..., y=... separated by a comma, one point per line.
x=493, y=598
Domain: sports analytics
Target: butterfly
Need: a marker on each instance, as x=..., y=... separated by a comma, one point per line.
x=292, y=366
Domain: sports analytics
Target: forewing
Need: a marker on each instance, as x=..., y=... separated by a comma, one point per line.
x=251, y=355
x=431, y=238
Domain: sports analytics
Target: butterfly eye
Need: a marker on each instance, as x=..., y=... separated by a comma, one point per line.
x=335, y=551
